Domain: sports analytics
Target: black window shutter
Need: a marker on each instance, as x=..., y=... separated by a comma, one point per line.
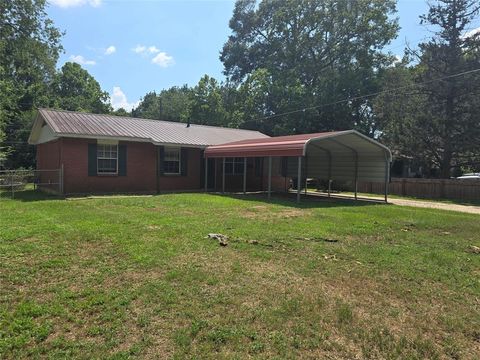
x=122, y=160
x=161, y=158
x=184, y=161
x=92, y=159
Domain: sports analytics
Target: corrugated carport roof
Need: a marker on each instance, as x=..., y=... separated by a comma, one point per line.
x=292, y=145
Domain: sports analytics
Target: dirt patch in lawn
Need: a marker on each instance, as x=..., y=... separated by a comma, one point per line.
x=262, y=213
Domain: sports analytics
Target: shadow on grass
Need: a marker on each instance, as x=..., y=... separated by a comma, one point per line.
x=306, y=201
x=29, y=195
x=284, y=199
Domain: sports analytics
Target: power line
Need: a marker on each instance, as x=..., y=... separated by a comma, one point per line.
x=365, y=96
x=345, y=100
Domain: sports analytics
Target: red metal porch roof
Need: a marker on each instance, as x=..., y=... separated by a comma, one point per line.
x=291, y=145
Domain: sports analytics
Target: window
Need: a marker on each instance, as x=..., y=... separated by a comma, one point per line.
x=171, y=161
x=107, y=158
x=234, y=166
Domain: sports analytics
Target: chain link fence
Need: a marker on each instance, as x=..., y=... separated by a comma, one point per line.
x=16, y=182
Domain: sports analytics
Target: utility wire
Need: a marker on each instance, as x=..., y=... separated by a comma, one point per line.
x=345, y=100
x=365, y=96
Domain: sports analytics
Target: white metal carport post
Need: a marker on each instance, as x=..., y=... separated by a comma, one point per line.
x=299, y=176
x=387, y=176
x=329, y=172
x=269, y=177
x=206, y=174
x=244, y=175
x=356, y=174
x=223, y=177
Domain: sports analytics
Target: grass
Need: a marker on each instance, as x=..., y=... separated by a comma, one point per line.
x=393, y=196
x=136, y=277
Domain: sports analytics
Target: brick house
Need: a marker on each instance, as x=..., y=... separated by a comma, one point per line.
x=112, y=154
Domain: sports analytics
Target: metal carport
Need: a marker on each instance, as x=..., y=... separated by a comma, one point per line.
x=337, y=155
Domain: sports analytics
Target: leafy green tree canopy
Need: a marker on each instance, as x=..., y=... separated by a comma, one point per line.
x=75, y=89
x=29, y=50
x=436, y=122
x=315, y=51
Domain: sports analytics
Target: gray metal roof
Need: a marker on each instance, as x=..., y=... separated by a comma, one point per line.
x=86, y=125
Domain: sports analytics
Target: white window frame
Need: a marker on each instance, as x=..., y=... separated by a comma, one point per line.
x=233, y=162
x=107, y=143
x=172, y=148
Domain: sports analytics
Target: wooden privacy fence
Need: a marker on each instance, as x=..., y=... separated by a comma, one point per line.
x=427, y=188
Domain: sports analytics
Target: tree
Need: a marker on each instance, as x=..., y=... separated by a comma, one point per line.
x=398, y=114
x=148, y=107
x=121, y=112
x=5, y=104
x=206, y=103
x=29, y=49
x=173, y=103
x=315, y=52
x=439, y=122
x=455, y=127
x=75, y=89
x=170, y=105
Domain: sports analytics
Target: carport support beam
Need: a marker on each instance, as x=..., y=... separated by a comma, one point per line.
x=306, y=174
x=244, y=175
x=329, y=172
x=269, y=177
x=299, y=177
x=223, y=176
x=206, y=174
x=387, y=178
x=356, y=175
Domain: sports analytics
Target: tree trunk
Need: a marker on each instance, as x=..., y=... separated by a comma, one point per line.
x=446, y=163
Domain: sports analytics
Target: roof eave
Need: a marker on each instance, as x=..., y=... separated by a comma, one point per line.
x=130, y=139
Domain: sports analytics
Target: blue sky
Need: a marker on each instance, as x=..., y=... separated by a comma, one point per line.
x=135, y=46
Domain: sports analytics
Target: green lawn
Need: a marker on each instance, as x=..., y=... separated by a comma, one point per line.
x=136, y=277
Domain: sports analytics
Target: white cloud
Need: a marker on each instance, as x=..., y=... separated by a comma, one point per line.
x=153, y=50
x=139, y=49
x=79, y=59
x=164, y=60
x=161, y=58
x=119, y=100
x=472, y=33
x=74, y=3
x=110, y=50
x=142, y=49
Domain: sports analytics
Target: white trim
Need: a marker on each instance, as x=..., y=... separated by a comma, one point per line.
x=131, y=139
x=107, y=142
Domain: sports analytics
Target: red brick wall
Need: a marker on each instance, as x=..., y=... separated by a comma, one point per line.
x=141, y=169
x=48, y=155
x=48, y=158
x=192, y=181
